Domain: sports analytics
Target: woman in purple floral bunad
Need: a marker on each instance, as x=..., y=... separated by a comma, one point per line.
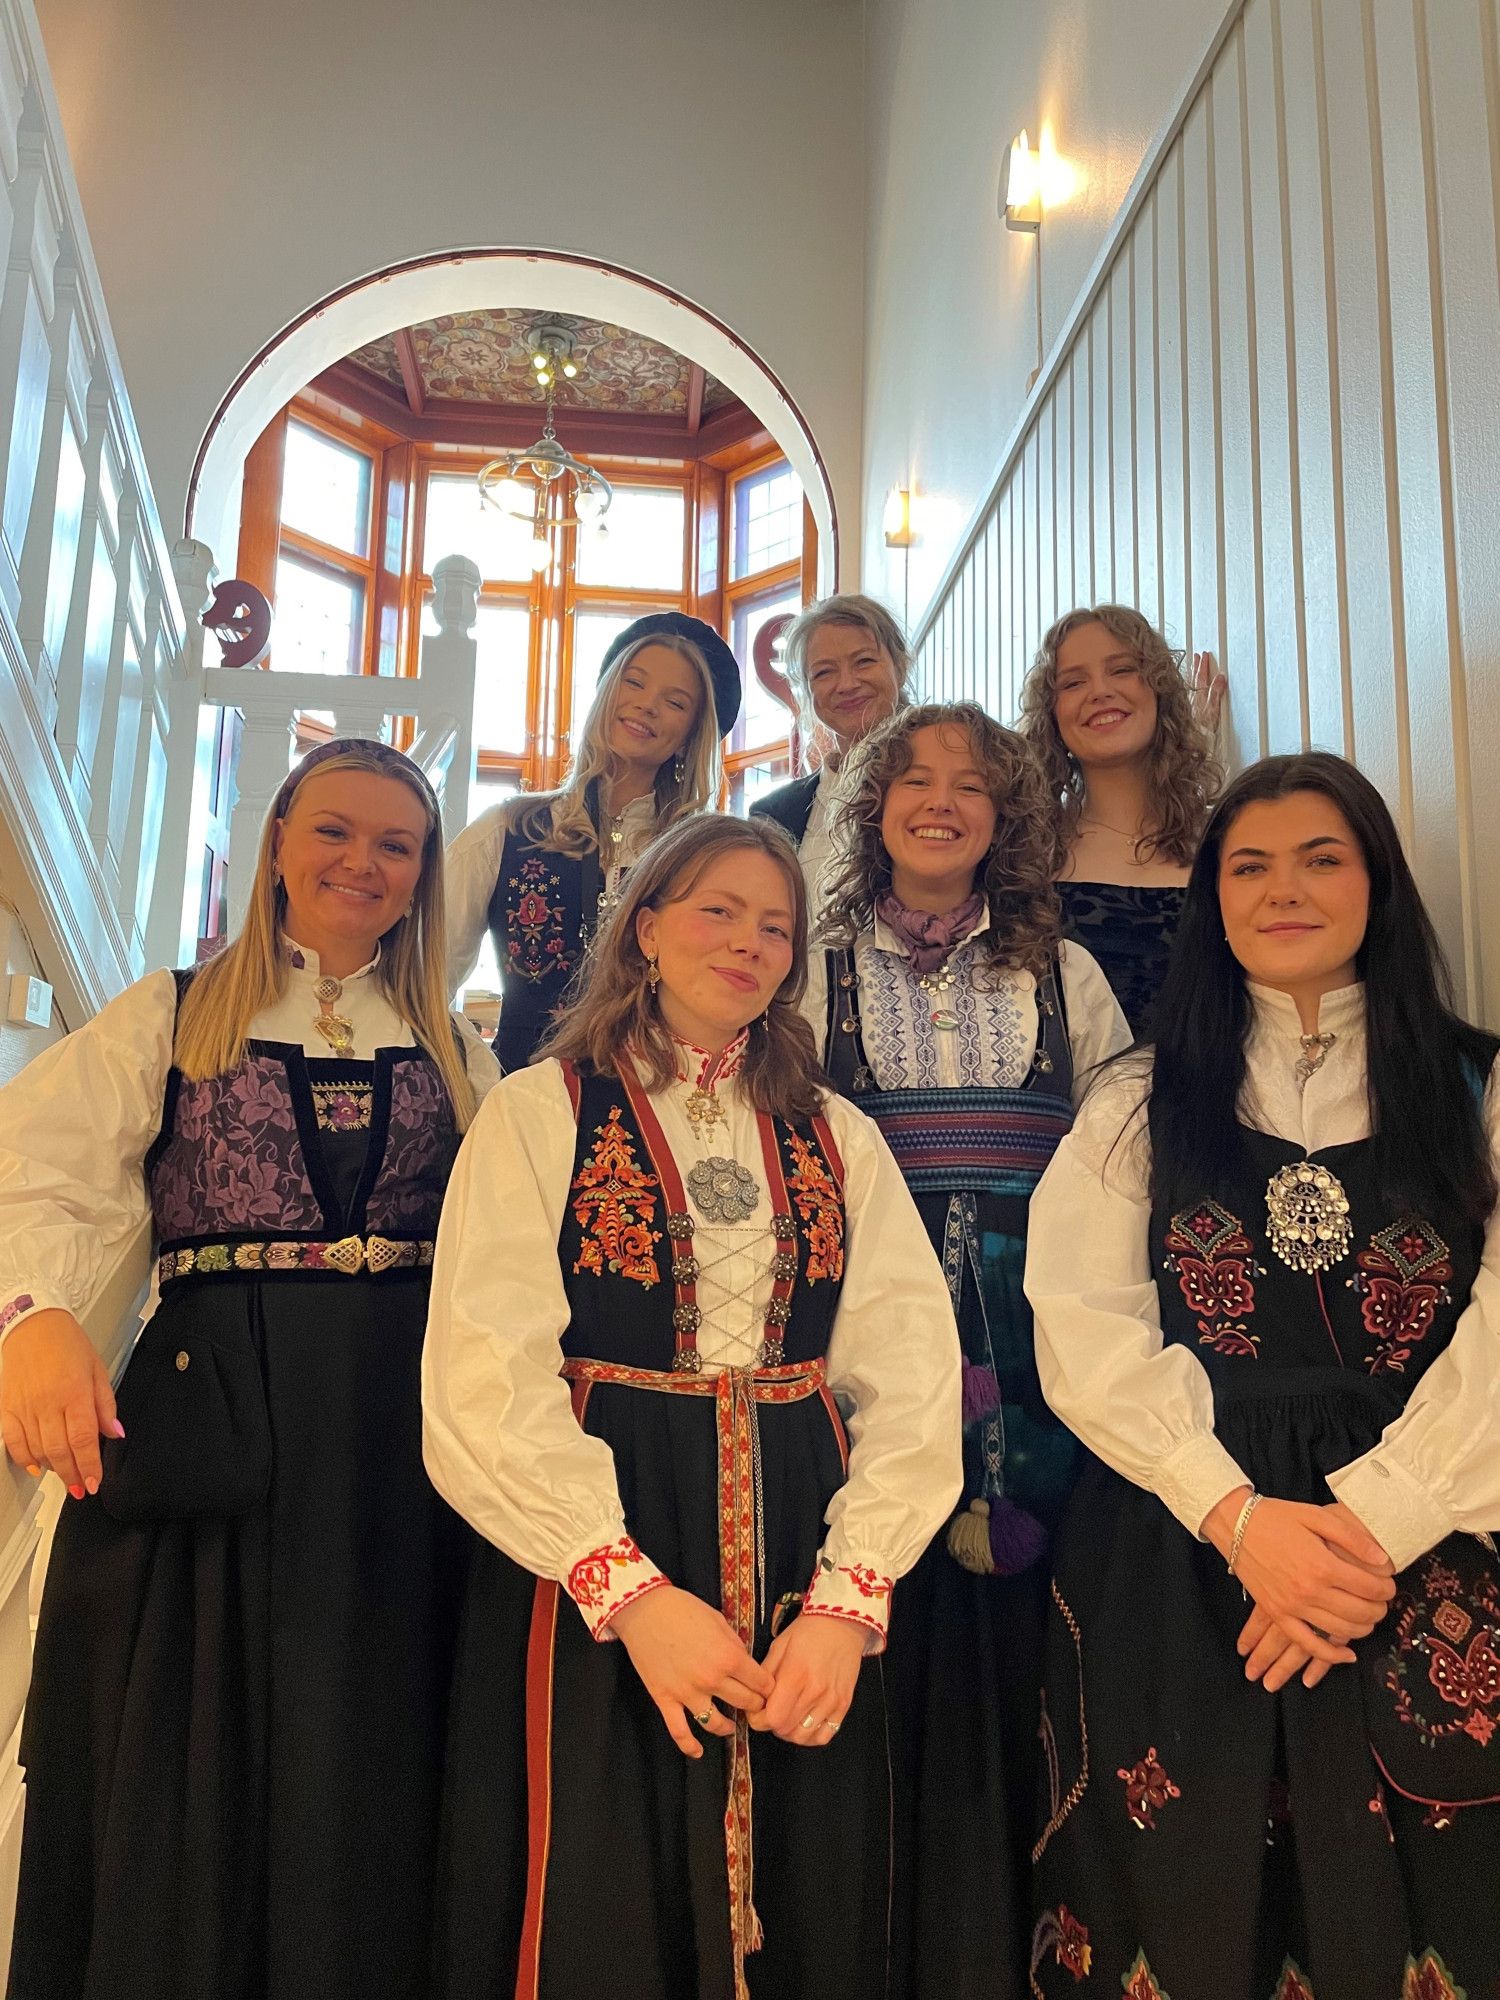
x=1265, y=1266
x=234, y=1739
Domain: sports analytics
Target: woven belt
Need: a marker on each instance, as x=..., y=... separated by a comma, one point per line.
x=349, y=1255
x=736, y=1392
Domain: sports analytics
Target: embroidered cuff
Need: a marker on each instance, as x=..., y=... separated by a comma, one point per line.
x=853, y=1590
x=1192, y=1479
x=1399, y=1512
x=604, y=1581
x=19, y=1306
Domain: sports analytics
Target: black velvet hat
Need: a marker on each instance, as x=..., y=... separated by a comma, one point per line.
x=723, y=668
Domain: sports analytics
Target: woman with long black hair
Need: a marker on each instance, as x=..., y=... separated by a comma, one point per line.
x=1266, y=1273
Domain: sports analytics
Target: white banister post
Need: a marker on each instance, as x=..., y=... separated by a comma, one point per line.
x=41, y=526
x=448, y=663
x=15, y=318
x=172, y=925
x=266, y=745
x=81, y=614
x=109, y=710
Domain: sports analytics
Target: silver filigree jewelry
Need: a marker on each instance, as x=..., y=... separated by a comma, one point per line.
x=1307, y=1216
x=935, y=985
x=722, y=1190
x=1314, y=1053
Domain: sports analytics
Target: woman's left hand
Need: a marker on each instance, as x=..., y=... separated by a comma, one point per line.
x=1274, y=1658
x=1210, y=686
x=816, y=1662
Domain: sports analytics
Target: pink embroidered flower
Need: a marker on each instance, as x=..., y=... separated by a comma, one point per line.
x=1147, y=1790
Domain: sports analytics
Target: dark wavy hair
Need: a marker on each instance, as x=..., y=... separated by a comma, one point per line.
x=1426, y=1065
x=1185, y=775
x=1016, y=878
x=614, y=1009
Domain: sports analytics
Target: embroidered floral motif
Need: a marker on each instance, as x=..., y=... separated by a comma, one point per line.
x=819, y=1204
x=868, y=1582
x=1427, y=1978
x=1401, y=1279
x=1292, y=1985
x=1060, y=1932
x=1147, y=1790
x=421, y=1142
x=343, y=1107
x=536, y=942
x=614, y=1202
x=14, y=1308
x=233, y=1163
x=591, y=1582
x=1214, y=1263
x=1377, y=1806
x=1462, y=1648
x=1139, y=1984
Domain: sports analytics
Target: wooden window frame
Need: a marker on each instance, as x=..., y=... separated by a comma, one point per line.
x=799, y=572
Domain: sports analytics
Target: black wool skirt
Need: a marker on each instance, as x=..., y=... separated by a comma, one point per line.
x=234, y=1740
x=583, y=1853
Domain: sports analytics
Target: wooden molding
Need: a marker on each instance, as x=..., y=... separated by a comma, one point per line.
x=411, y=372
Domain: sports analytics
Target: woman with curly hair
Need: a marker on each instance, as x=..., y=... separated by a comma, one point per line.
x=691, y=1369
x=958, y=1020
x=1124, y=742
x=538, y=872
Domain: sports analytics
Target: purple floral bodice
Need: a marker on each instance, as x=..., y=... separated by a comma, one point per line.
x=239, y=1154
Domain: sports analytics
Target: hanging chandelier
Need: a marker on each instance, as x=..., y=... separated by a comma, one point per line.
x=517, y=484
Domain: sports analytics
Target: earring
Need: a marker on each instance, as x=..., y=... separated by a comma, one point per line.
x=275, y=874
x=679, y=770
x=653, y=974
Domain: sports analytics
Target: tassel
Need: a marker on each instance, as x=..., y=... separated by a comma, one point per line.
x=981, y=1393
x=1016, y=1538
x=969, y=1539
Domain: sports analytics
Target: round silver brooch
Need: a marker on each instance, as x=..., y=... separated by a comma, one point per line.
x=1307, y=1216
x=723, y=1191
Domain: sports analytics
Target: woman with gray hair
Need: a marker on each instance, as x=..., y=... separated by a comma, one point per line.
x=847, y=659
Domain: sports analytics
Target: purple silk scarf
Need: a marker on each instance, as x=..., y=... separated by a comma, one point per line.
x=927, y=938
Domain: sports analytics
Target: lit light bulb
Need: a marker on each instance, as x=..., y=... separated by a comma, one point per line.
x=544, y=378
x=514, y=497
x=539, y=361
x=589, y=503
x=539, y=554
x=570, y=369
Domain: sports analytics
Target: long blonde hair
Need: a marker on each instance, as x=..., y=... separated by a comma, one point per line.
x=614, y=1008
x=250, y=974
x=559, y=821
x=1184, y=776
x=1015, y=877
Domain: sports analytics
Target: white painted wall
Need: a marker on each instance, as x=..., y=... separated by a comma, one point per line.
x=951, y=322
x=237, y=166
x=1274, y=427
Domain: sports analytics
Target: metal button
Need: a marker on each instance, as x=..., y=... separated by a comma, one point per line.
x=183, y=1357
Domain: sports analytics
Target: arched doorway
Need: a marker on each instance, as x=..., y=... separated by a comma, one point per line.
x=461, y=281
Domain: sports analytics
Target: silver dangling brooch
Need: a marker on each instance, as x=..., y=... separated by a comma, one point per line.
x=1307, y=1216
x=722, y=1190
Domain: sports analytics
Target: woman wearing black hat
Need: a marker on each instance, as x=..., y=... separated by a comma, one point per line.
x=536, y=872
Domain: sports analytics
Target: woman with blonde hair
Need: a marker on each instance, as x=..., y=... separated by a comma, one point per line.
x=1125, y=742
x=691, y=1365
x=234, y=1736
x=957, y=1019
x=538, y=872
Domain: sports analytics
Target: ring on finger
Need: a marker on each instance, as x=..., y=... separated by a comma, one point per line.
x=809, y=1722
x=705, y=1718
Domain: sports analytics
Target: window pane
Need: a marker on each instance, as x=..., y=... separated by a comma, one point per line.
x=593, y=632
x=502, y=635
x=484, y=793
x=762, y=718
x=754, y=781
x=320, y=620
x=460, y=524
x=640, y=547
x=325, y=489
x=767, y=520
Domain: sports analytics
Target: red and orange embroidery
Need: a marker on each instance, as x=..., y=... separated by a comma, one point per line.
x=1140, y=1983
x=1292, y=1985
x=1402, y=1279
x=590, y=1582
x=1147, y=1790
x=1214, y=1262
x=820, y=1207
x=1427, y=1978
x=868, y=1582
x=1060, y=1932
x=614, y=1201
x=1461, y=1642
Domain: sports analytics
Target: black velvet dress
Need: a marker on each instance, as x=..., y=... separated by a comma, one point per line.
x=1129, y=931
x=233, y=1745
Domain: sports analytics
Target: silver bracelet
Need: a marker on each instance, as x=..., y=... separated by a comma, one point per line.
x=1239, y=1529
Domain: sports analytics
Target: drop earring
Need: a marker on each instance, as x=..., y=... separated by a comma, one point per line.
x=679, y=770
x=653, y=975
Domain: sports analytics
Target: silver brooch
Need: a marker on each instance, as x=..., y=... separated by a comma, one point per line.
x=1307, y=1216
x=723, y=1191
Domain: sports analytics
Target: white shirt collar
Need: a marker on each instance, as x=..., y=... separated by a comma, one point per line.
x=887, y=940
x=1276, y=1012
x=303, y=959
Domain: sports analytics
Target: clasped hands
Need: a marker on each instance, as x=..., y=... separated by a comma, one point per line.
x=691, y=1659
x=1318, y=1577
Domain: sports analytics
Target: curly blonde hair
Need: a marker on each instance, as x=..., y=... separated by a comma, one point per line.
x=615, y=1008
x=1185, y=776
x=1016, y=878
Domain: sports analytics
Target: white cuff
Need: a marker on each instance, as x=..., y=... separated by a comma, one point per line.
x=1399, y=1512
x=608, y=1578
x=1194, y=1477
x=860, y=1592
x=17, y=1305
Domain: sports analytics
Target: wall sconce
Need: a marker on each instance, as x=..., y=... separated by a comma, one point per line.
x=897, y=518
x=1021, y=191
